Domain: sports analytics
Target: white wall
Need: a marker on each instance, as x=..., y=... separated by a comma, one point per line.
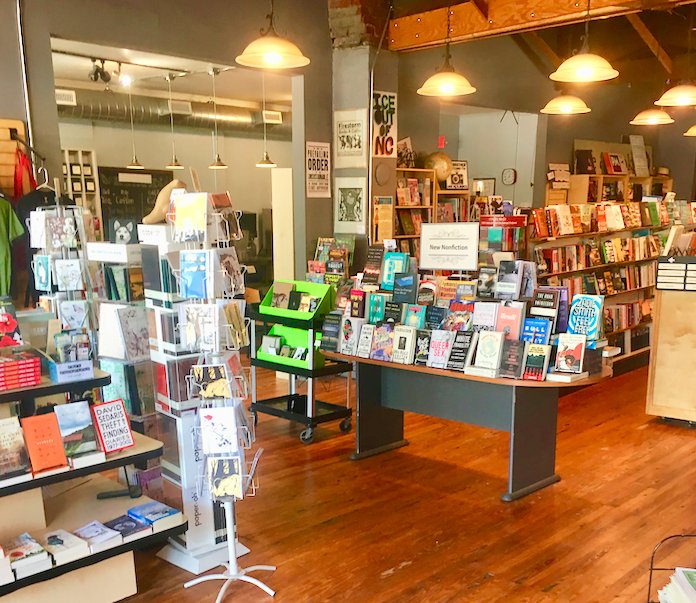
x=490, y=146
x=249, y=186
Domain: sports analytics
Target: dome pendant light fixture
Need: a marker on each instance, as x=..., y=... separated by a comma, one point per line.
x=134, y=164
x=691, y=131
x=683, y=94
x=217, y=163
x=266, y=161
x=651, y=117
x=174, y=163
x=584, y=66
x=446, y=82
x=271, y=51
x=565, y=105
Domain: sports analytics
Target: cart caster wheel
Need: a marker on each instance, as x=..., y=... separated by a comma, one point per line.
x=345, y=426
x=307, y=436
x=255, y=418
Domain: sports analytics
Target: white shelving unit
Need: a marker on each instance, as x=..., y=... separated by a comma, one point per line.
x=81, y=182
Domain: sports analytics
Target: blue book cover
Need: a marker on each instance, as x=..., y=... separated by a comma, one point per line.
x=434, y=316
x=415, y=316
x=375, y=308
x=393, y=262
x=536, y=330
x=586, y=315
x=151, y=512
x=194, y=273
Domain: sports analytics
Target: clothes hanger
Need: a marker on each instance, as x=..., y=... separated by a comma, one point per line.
x=44, y=185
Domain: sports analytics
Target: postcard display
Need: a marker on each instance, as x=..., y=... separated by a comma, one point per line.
x=193, y=287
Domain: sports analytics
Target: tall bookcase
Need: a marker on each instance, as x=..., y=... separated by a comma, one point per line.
x=81, y=182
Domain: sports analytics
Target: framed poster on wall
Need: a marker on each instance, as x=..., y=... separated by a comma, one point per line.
x=350, y=206
x=384, y=137
x=318, y=169
x=350, y=138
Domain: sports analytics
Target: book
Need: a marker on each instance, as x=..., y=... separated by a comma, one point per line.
x=42, y=272
x=489, y=349
x=98, y=536
x=156, y=514
x=434, y=316
x=44, y=443
x=440, y=347
x=485, y=316
x=404, y=344
x=212, y=381
x=570, y=353
x=305, y=301
x=77, y=431
x=324, y=245
x=460, y=316
x=422, y=351
x=225, y=480
x=64, y=547
x=536, y=362
x=338, y=262
x=382, y=342
x=393, y=312
x=23, y=551
x=545, y=304
x=586, y=316
x=231, y=271
x=68, y=275
x=375, y=312
x=350, y=334
x=463, y=347
x=190, y=217
x=129, y=528
x=536, y=330
x=133, y=326
x=294, y=299
x=509, y=283
x=556, y=377
x=415, y=316
x=394, y=262
x=15, y=466
x=357, y=303
x=405, y=287
x=372, y=272
x=73, y=314
x=365, y=341
x=330, y=332
x=61, y=232
x=487, y=280
x=202, y=332
x=509, y=321
x=427, y=292
x=513, y=358
x=281, y=294
x=113, y=426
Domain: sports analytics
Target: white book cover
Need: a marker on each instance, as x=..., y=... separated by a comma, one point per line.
x=112, y=346
x=34, y=568
x=509, y=281
x=98, y=536
x=202, y=327
x=64, y=546
x=476, y=371
x=73, y=314
x=485, y=315
x=404, y=344
x=365, y=341
x=570, y=353
x=489, y=349
x=24, y=550
x=349, y=334
x=219, y=431
x=565, y=219
x=37, y=229
x=134, y=330
x=566, y=377
x=68, y=275
x=440, y=347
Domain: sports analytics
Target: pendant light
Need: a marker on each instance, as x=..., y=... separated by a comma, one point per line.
x=651, y=117
x=270, y=51
x=446, y=82
x=691, y=131
x=584, y=66
x=134, y=164
x=565, y=105
x=217, y=164
x=266, y=161
x=174, y=163
x=681, y=95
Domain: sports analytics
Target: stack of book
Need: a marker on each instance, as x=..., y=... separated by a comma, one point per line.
x=20, y=370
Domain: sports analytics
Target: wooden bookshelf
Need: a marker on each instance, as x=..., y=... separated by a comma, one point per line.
x=597, y=267
x=413, y=236
x=644, y=323
x=608, y=233
x=413, y=207
x=629, y=291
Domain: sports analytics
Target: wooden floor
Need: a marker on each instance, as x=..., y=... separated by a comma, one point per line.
x=425, y=523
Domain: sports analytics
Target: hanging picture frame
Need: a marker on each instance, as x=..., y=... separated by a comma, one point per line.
x=350, y=205
x=350, y=138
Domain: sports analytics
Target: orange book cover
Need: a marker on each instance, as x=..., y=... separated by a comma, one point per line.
x=45, y=446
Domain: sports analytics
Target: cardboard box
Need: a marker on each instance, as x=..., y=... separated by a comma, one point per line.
x=64, y=372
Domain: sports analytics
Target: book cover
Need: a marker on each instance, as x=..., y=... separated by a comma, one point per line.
x=460, y=317
x=382, y=341
x=536, y=362
x=415, y=316
x=545, y=304
x=485, y=316
x=372, y=273
x=42, y=272
x=357, y=303
x=427, y=293
x=281, y=294
x=536, y=330
x=338, y=262
x=9, y=327
x=509, y=282
x=129, y=528
x=23, y=550
x=73, y=314
x=446, y=292
x=175, y=373
x=393, y=312
x=350, y=333
x=422, y=352
x=190, y=217
x=76, y=428
x=324, y=244
x=136, y=287
x=225, y=480
x=376, y=303
x=196, y=276
x=14, y=457
x=202, y=327
x=305, y=300
x=434, y=316
x=152, y=276
x=44, y=443
x=513, y=358
x=586, y=316
x=61, y=232
x=440, y=346
x=152, y=513
x=394, y=263
x=68, y=275
x=405, y=287
x=232, y=276
x=570, y=353
x=63, y=546
x=219, y=430
x=134, y=331
x=462, y=347
x=404, y=344
x=365, y=341
x=113, y=426
x=487, y=279
x=509, y=321
x=212, y=381
x=489, y=349
x=330, y=332
x=294, y=299
x=98, y=536
x=466, y=291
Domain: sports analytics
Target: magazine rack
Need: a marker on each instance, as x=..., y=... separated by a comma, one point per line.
x=662, y=569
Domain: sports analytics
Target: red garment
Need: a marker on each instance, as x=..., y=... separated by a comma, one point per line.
x=22, y=165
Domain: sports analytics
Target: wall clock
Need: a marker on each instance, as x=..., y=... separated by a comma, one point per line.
x=509, y=176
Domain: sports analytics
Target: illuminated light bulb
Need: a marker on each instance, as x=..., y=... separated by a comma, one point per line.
x=447, y=88
x=272, y=57
x=126, y=80
x=585, y=73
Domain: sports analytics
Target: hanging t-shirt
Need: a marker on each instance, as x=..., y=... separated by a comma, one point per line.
x=10, y=229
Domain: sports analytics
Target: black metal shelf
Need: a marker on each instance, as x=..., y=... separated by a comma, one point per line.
x=314, y=322
x=330, y=368
x=48, y=388
x=293, y=407
x=59, y=570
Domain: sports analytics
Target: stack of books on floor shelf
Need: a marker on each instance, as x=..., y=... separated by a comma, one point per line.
x=497, y=324
x=681, y=588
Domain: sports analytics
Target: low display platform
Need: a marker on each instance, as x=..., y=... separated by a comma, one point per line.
x=48, y=388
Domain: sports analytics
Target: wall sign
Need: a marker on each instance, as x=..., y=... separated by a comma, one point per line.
x=384, y=141
x=677, y=273
x=318, y=169
x=449, y=246
x=350, y=206
x=350, y=136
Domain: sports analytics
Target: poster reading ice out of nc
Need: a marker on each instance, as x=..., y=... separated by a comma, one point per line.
x=384, y=134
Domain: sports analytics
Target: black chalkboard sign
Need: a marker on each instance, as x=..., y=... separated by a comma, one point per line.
x=128, y=193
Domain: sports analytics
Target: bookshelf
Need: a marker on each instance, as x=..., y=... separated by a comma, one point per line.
x=81, y=182
x=408, y=218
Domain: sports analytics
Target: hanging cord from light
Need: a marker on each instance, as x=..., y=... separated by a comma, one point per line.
x=134, y=164
x=266, y=161
x=174, y=165
x=217, y=164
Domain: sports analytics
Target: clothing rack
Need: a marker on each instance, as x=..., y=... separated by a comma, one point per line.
x=15, y=136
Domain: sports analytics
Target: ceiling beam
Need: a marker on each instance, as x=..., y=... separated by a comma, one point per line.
x=651, y=42
x=482, y=6
x=540, y=44
x=429, y=29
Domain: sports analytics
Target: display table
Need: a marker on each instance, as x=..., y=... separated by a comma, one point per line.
x=527, y=410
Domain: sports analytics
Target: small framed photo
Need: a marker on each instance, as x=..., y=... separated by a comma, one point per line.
x=484, y=187
x=76, y=169
x=77, y=186
x=65, y=170
x=87, y=170
x=89, y=186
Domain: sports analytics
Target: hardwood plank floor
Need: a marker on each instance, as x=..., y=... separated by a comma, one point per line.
x=425, y=523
